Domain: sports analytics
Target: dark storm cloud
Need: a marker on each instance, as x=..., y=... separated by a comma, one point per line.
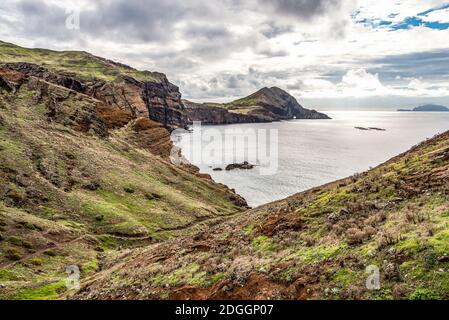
x=428, y=64
x=206, y=31
x=41, y=20
x=121, y=20
x=304, y=9
x=145, y=20
x=273, y=29
x=203, y=25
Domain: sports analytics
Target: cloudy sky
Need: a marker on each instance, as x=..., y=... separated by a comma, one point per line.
x=328, y=53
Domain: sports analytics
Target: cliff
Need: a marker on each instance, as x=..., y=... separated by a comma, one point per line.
x=140, y=93
x=84, y=169
x=274, y=104
x=266, y=105
x=212, y=114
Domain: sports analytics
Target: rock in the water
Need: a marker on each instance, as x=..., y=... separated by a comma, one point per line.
x=243, y=166
x=370, y=129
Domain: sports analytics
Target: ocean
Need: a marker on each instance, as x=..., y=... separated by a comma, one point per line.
x=307, y=153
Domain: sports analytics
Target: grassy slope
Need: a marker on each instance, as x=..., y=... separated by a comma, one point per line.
x=67, y=197
x=243, y=106
x=316, y=244
x=82, y=64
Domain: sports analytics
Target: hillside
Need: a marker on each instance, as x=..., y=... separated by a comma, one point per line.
x=82, y=64
x=266, y=105
x=139, y=93
x=84, y=169
x=273, y=103
x=314, y=245
x=85, y=179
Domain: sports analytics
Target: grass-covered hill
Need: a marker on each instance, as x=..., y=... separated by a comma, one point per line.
x=77, y=63
x=265, y=105
x=314, y=245
x=273, y=104
x=83, y=175
x=85, y=179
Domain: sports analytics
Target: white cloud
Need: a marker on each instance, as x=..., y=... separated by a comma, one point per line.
x=361, y=80
x=220, y=50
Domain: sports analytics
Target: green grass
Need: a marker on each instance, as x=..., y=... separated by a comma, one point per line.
x=423, y=294
x=46, y=292
x=190, y=275
x=263, y=243
x=82, y=64
x=244, y=102
x=346, y=277
x=320, y=253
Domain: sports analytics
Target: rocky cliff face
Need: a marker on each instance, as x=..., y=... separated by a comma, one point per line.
x=84, y=173
x=276, y=104
x=266, y=105
x=215, y=115
x=159, y=101
x=111, y=105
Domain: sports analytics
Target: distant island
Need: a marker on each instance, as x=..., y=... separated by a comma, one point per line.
x=427, y=108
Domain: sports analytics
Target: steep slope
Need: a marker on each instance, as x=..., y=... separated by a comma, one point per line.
x=142, y=93
x=84, y=174
x=273, y=103
x=266, y=105
x=316, y=244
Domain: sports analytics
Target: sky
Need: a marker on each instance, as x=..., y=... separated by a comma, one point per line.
x=327, y=53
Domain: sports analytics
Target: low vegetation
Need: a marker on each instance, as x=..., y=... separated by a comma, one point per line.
x=81, y=64
x=75, y=192
x=314, y=245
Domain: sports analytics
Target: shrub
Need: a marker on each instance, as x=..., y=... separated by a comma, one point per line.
x=70, y=155
x=15, y=241
x=27, y=245
x=355, y=236
x=36, y=261
x=50, y=253
x=423, y=294
x=129, y=190
x=26, y=225
x=13, y=254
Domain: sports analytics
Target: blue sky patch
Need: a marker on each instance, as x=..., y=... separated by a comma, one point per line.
x=374, y=23
x=407, y=23
x=418, y=22
x=426, y=13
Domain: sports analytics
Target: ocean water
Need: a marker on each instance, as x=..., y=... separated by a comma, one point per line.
x=309, y=152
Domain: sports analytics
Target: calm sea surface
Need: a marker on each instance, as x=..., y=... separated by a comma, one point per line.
x=314, y=152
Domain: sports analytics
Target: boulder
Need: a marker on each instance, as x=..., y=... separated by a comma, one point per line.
x=243, y=166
